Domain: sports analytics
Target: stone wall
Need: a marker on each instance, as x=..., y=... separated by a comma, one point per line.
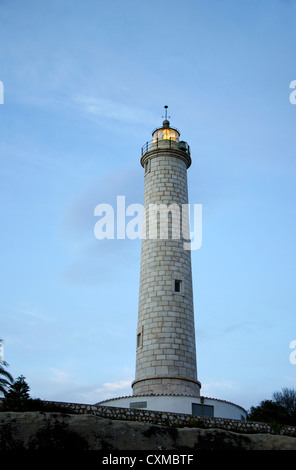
x=178, y=419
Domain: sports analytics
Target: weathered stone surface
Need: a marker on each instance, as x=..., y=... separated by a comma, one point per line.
x=166, y=355
x=42, y=431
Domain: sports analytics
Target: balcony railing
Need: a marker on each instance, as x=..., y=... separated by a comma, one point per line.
x=165, y=143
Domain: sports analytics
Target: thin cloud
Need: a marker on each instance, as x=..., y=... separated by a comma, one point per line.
x=31, y=313
x=79, y=214
x=108, y=390
x=114, y=386
x=59, y=376
x=244, y=327
x=222, y=383
x=112, y=109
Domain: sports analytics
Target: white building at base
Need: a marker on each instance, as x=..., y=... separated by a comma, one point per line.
x=196, y=406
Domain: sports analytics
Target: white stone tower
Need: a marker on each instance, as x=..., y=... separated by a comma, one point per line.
x=166, y=356
x=166, y=372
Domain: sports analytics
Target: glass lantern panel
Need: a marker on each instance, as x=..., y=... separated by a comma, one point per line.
x=166, y=134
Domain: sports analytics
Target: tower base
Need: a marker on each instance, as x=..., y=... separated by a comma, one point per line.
x=166, y=386
x=196, y=406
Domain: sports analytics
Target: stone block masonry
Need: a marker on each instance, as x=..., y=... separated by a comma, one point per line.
x=166, y=355
x=177, y=419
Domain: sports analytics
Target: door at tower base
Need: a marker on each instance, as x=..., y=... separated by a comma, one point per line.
x=200, y=409
x=196, y=406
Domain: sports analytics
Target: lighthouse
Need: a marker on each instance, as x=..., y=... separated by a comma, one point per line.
x=166, y=365
x=165, y=343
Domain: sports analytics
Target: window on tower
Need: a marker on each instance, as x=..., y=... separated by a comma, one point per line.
x=139, y=340
x=147, y=166
x=178, y=285
x=140, y=337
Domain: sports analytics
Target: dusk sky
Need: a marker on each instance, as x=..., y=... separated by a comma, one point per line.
x=85, y=83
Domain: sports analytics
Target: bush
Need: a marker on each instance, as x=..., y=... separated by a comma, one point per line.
x=280, y=410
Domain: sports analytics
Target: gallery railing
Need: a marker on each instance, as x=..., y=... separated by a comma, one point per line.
x=167, y=143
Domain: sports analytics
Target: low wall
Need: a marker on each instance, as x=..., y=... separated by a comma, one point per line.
x=177, y=419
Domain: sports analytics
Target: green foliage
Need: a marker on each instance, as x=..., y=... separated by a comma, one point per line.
x=267, y=412
x=17, y=396
x=286, y=398
x=280, y=410
x=6, y=378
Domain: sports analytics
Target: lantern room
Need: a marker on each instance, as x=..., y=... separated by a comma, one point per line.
x=166, y=132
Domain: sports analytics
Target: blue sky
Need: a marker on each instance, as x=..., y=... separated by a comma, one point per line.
x=84, y=86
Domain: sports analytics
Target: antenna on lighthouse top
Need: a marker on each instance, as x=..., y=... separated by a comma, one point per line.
x=166, y=112
x=166, y=122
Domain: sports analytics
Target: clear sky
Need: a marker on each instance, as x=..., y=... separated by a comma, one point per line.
x=85, y=83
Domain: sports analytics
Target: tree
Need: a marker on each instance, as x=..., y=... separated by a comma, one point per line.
x=281, y=410
x=18, y=395
x=6, y=378
x=268, y=412
x=286, y=398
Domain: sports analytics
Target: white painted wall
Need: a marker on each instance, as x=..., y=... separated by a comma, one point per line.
x=180, y=404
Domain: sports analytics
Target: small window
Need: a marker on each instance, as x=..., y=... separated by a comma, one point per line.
x=147, y=166
x=140, y=337
x=139, y=340
x=178, y=285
